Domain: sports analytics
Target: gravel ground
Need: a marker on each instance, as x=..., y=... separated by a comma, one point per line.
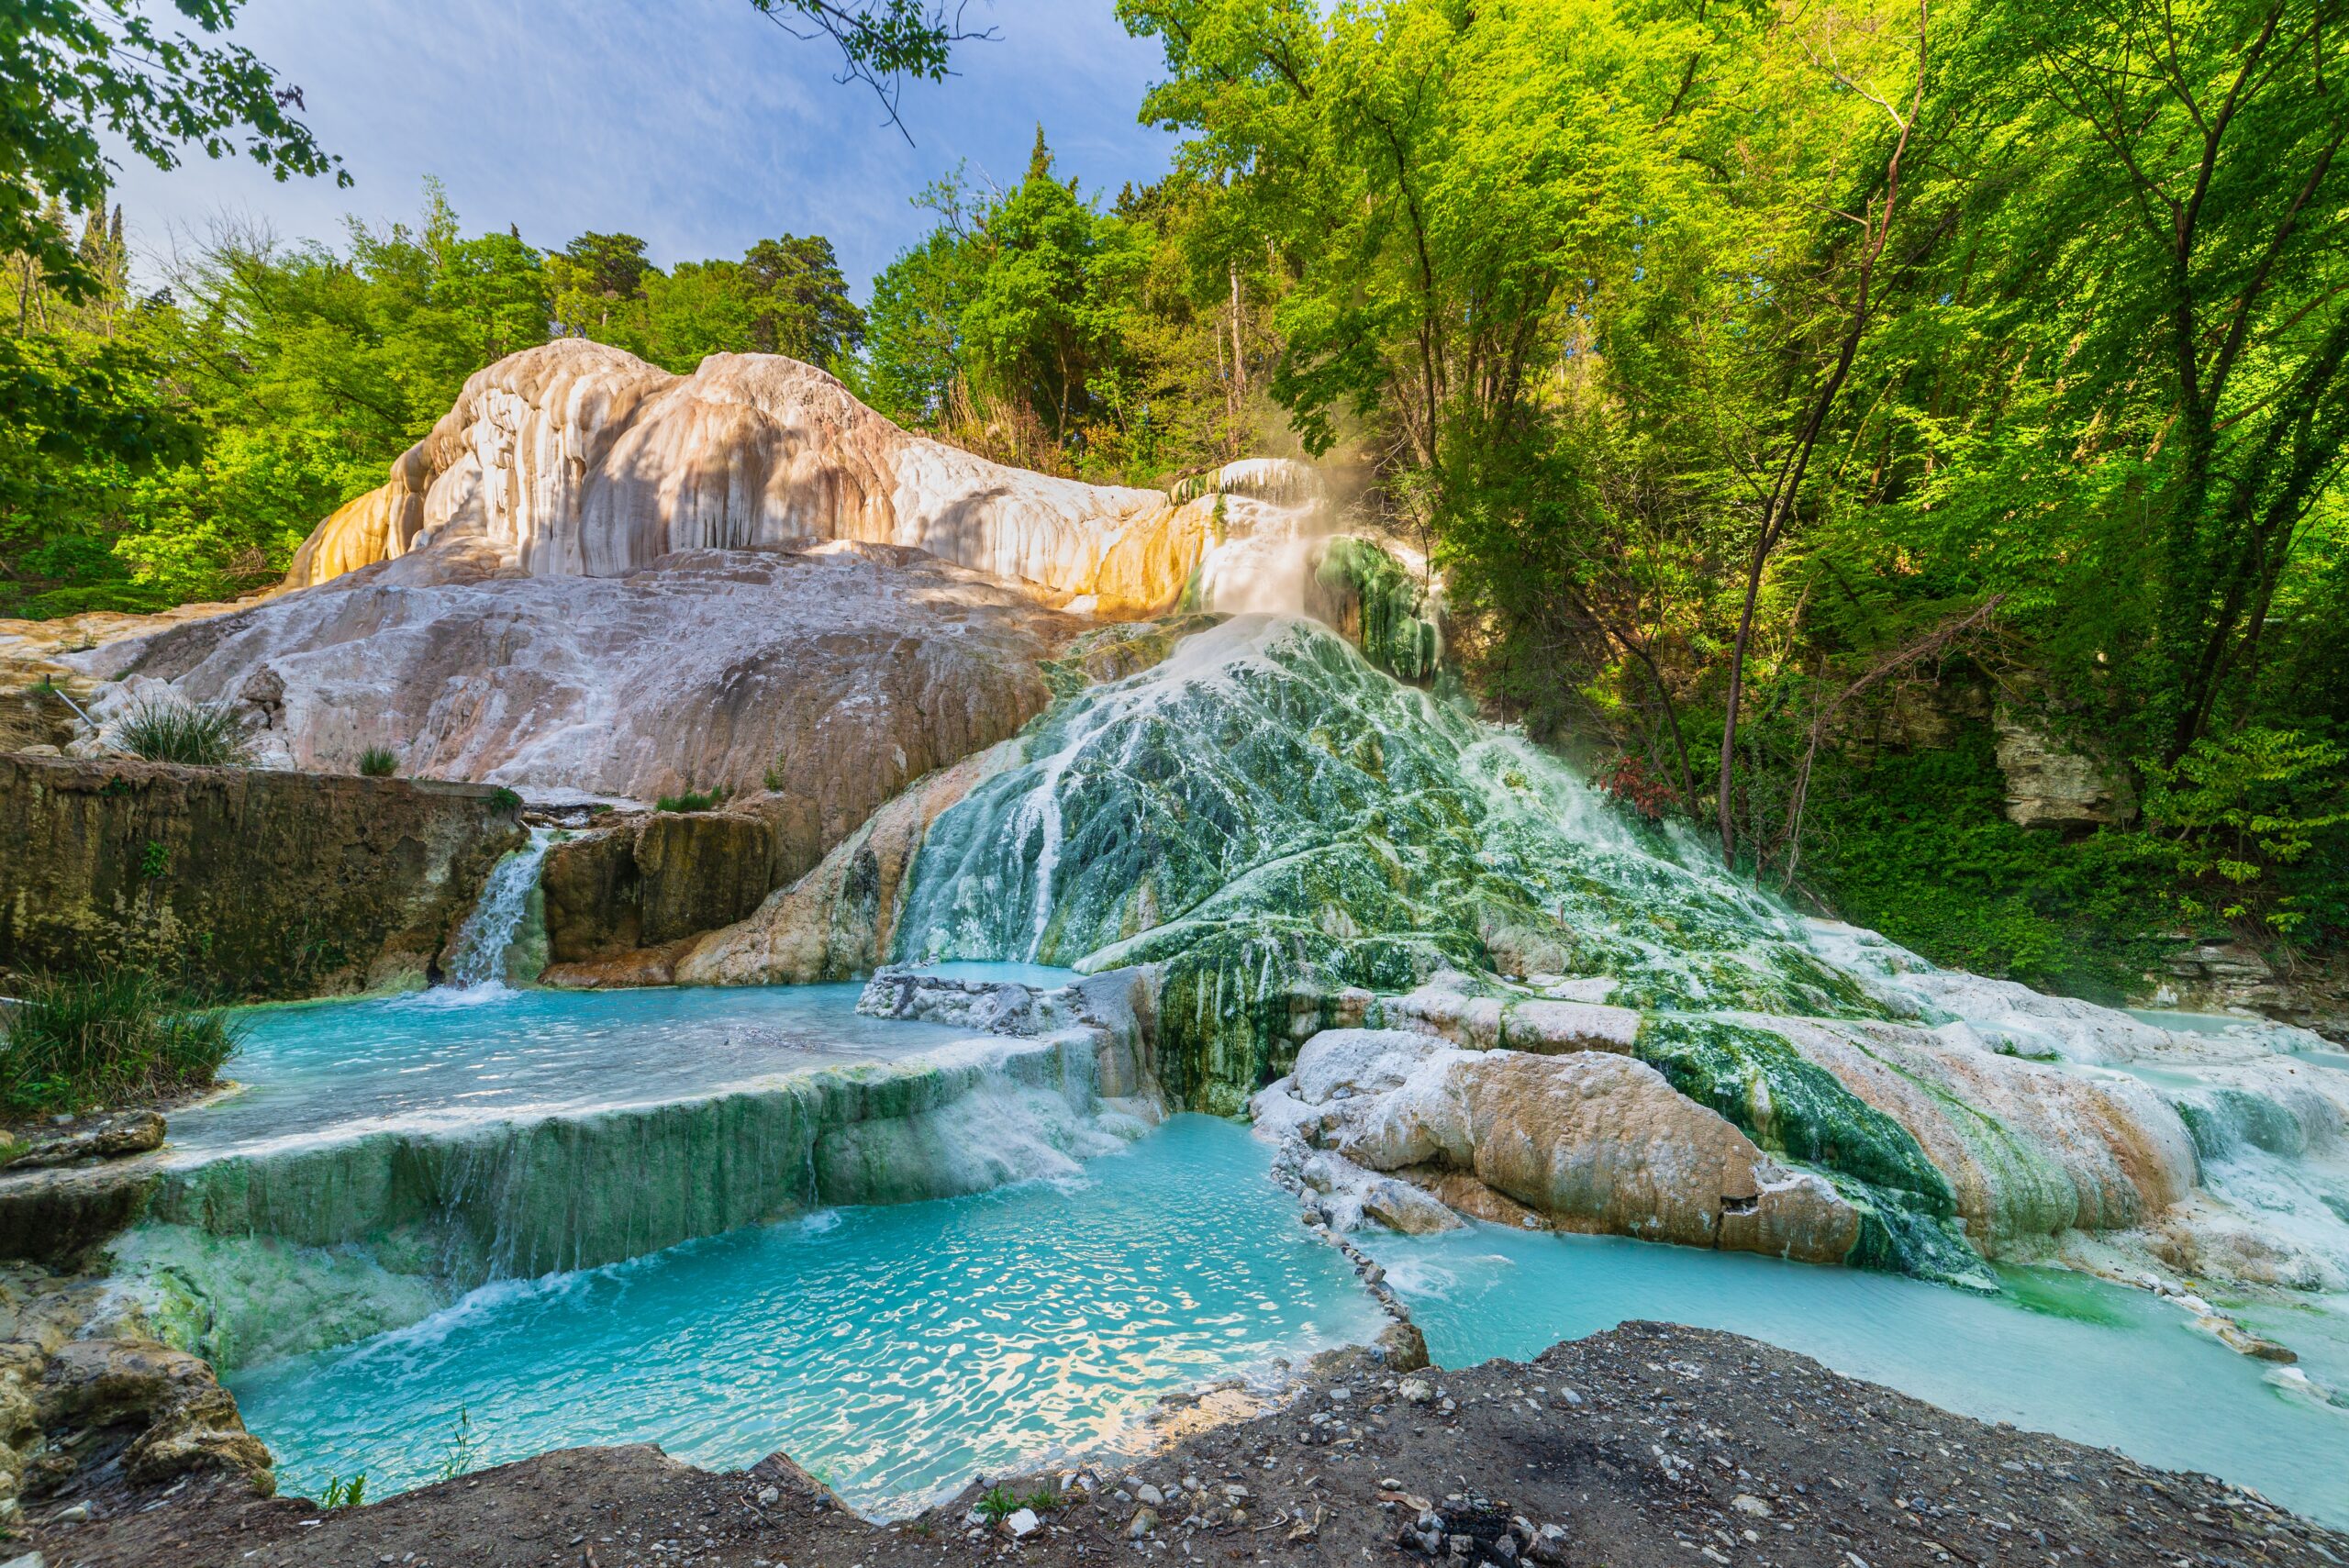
x=1653, y=1444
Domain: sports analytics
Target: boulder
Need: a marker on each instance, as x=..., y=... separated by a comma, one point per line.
x=2029, y=1148
x=178, y=1418
x=61, y=1217
x=1597, y=1142
x=104, y=1138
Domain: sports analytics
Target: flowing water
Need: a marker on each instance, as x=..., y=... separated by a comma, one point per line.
x=1272, y=819
x=892, y=1350
x=2057, y=1352
x=897, y=1349
x=486, y=940
x=451, y=1058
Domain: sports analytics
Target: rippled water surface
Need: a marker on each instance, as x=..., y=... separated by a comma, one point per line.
x=2059, y=1352
x=448, y=1057
x=895, y=1351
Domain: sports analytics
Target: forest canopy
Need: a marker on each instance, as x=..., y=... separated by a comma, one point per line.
x=1807, y=407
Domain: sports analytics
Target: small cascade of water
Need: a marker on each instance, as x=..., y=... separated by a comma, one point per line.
x=487, y=937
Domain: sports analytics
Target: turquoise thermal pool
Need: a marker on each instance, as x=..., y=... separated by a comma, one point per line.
x=2058, y=1352
x=892, y=1350
x=449, y=1058
x=898, y=1349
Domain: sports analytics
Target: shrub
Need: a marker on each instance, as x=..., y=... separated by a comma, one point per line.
x=2239, y=817
x=165, y=730
x=378, y=763
x=692, y=800
x=502, y=799
x=101, y=1038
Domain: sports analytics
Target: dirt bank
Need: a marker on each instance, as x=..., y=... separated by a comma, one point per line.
x=1649, y=1445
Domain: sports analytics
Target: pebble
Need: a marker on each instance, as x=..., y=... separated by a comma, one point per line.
x=1023, y=1522
x=29, y=1560
x=769, y=1496
x=1149, y=1495
x=1143, y=1523
x=78, y=1514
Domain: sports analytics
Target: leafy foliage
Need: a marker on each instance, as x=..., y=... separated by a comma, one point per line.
x=75, y=68
x=106, y=1038
x=181, y=447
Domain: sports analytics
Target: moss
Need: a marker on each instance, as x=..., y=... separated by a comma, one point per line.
x=1798, y=1111
x=1386, y=603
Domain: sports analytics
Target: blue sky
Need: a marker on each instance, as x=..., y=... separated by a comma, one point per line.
x=695, y=124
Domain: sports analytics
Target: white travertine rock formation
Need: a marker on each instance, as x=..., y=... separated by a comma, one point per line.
x=574, y=459
x=844, y=671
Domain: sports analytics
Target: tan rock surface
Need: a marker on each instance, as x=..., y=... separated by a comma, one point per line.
x=1602, y=1143
x=836, y=922
x=653, y=880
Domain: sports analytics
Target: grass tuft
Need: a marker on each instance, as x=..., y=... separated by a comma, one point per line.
x=378, y=763
x=165, y=730
x=100, y=1039
x=692, y=800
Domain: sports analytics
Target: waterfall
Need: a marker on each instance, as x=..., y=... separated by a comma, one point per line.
x=488, y=934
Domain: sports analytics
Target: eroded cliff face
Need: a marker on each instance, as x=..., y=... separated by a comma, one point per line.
x=269, y=884
x=650, y=883
x=573, y=459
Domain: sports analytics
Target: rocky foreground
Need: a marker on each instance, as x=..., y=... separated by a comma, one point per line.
x=1651, y=1444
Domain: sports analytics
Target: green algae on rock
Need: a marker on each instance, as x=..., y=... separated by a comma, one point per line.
x=1800, y=1111
x=1277, y=821
x=1374, y=601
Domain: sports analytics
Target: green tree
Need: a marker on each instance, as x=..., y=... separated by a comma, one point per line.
x=73, y=68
